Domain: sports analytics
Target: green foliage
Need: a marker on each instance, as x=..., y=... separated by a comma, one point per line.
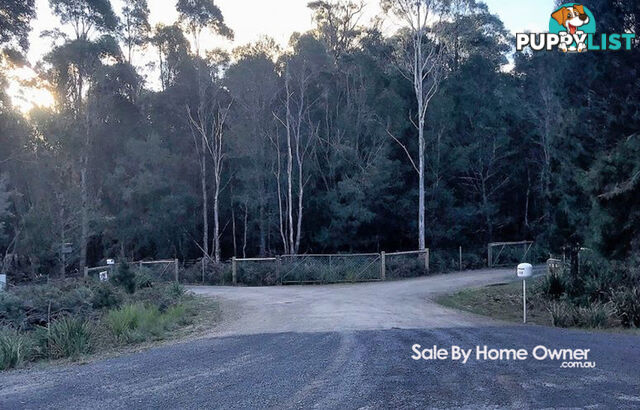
x=67, y=337
x=402, y=266
x=604, y=294
x=28, y=306
x=143, y=278
x=597, y=315
x=199, y=14
x=89, y=13
x=215, y=274
x=106, y=296
x=562, y=313
x=509, y=154
x=125, y=277
x=614, y=182
x=15, y=22
x=553, y=285
x=15, y=348
x=161, y=296
x=72, y=318
x=135, y=323
x=626, y=302
x=4, y=205
x=13, y=309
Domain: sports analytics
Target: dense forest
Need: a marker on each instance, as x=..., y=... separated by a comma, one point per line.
x=351, y=138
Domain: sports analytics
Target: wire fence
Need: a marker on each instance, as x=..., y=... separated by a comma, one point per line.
x=359, y=267
x=255, y=271
x=444, y=260
x=503, y=254
x=335, y=268
x=400, y=265
x=167, y=270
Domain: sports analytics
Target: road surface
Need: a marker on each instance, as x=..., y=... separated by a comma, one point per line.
x=344, y=346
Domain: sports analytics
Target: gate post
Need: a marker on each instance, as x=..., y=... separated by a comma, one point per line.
x=234, y=271
x=175, y=267
x=383, y=266
x=426, y=260
x=277, y=268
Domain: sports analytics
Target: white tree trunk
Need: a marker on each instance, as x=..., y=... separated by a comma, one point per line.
x=205, y=200
x=289, y=170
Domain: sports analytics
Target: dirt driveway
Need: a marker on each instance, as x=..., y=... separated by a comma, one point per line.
x=406, y=304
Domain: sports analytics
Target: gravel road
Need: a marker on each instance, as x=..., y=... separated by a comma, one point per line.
x=343, y=346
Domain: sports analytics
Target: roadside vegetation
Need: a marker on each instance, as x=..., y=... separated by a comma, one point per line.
x=73, y=318
x=601, y=295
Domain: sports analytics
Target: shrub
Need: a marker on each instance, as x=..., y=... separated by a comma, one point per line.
x=124, y=323
x=176, y=290
x=562, y=314
x=626, y=302
x=553, y=285
x=125, y=278
x=137, y=322
x=598, y=315
x=106, y=296
x=215, y=274
x=35, y=305
x=405, y=266
x=15, y=348
x=177, y=315
x=13, y=310
x=143, y=279
x=161, y=296
x=67, y=337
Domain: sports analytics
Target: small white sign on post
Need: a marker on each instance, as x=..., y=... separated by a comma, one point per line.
x=111, y=262
x=524, y=271
x=104, y=276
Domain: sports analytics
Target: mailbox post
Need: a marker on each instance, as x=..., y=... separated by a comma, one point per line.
x=525, y=270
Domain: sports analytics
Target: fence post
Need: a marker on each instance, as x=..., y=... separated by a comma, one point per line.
x=176, y=268
x=383, y=266
x=461, y=259
x=426, y=260
x=277, y=268
x=234, y=271
x=489, y=256
x=86, y=272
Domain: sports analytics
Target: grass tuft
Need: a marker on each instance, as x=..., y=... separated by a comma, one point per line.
x=15, y=348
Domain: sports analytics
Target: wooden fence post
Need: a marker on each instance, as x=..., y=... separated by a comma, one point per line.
x=489, y=256
x=383, y=266
x=86, y=272
x=426, y=260
x=461, y=259
x=234, y=271
x=176, y=269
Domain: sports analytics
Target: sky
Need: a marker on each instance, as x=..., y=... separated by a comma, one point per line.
x=250, y=20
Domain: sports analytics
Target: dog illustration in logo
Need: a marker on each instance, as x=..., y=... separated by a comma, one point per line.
x=572, y=18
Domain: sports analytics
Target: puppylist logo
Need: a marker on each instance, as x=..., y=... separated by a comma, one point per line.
x=572, y=29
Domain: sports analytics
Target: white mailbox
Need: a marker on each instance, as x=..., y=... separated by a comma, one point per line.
x=525, y=270
x=111, y=262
